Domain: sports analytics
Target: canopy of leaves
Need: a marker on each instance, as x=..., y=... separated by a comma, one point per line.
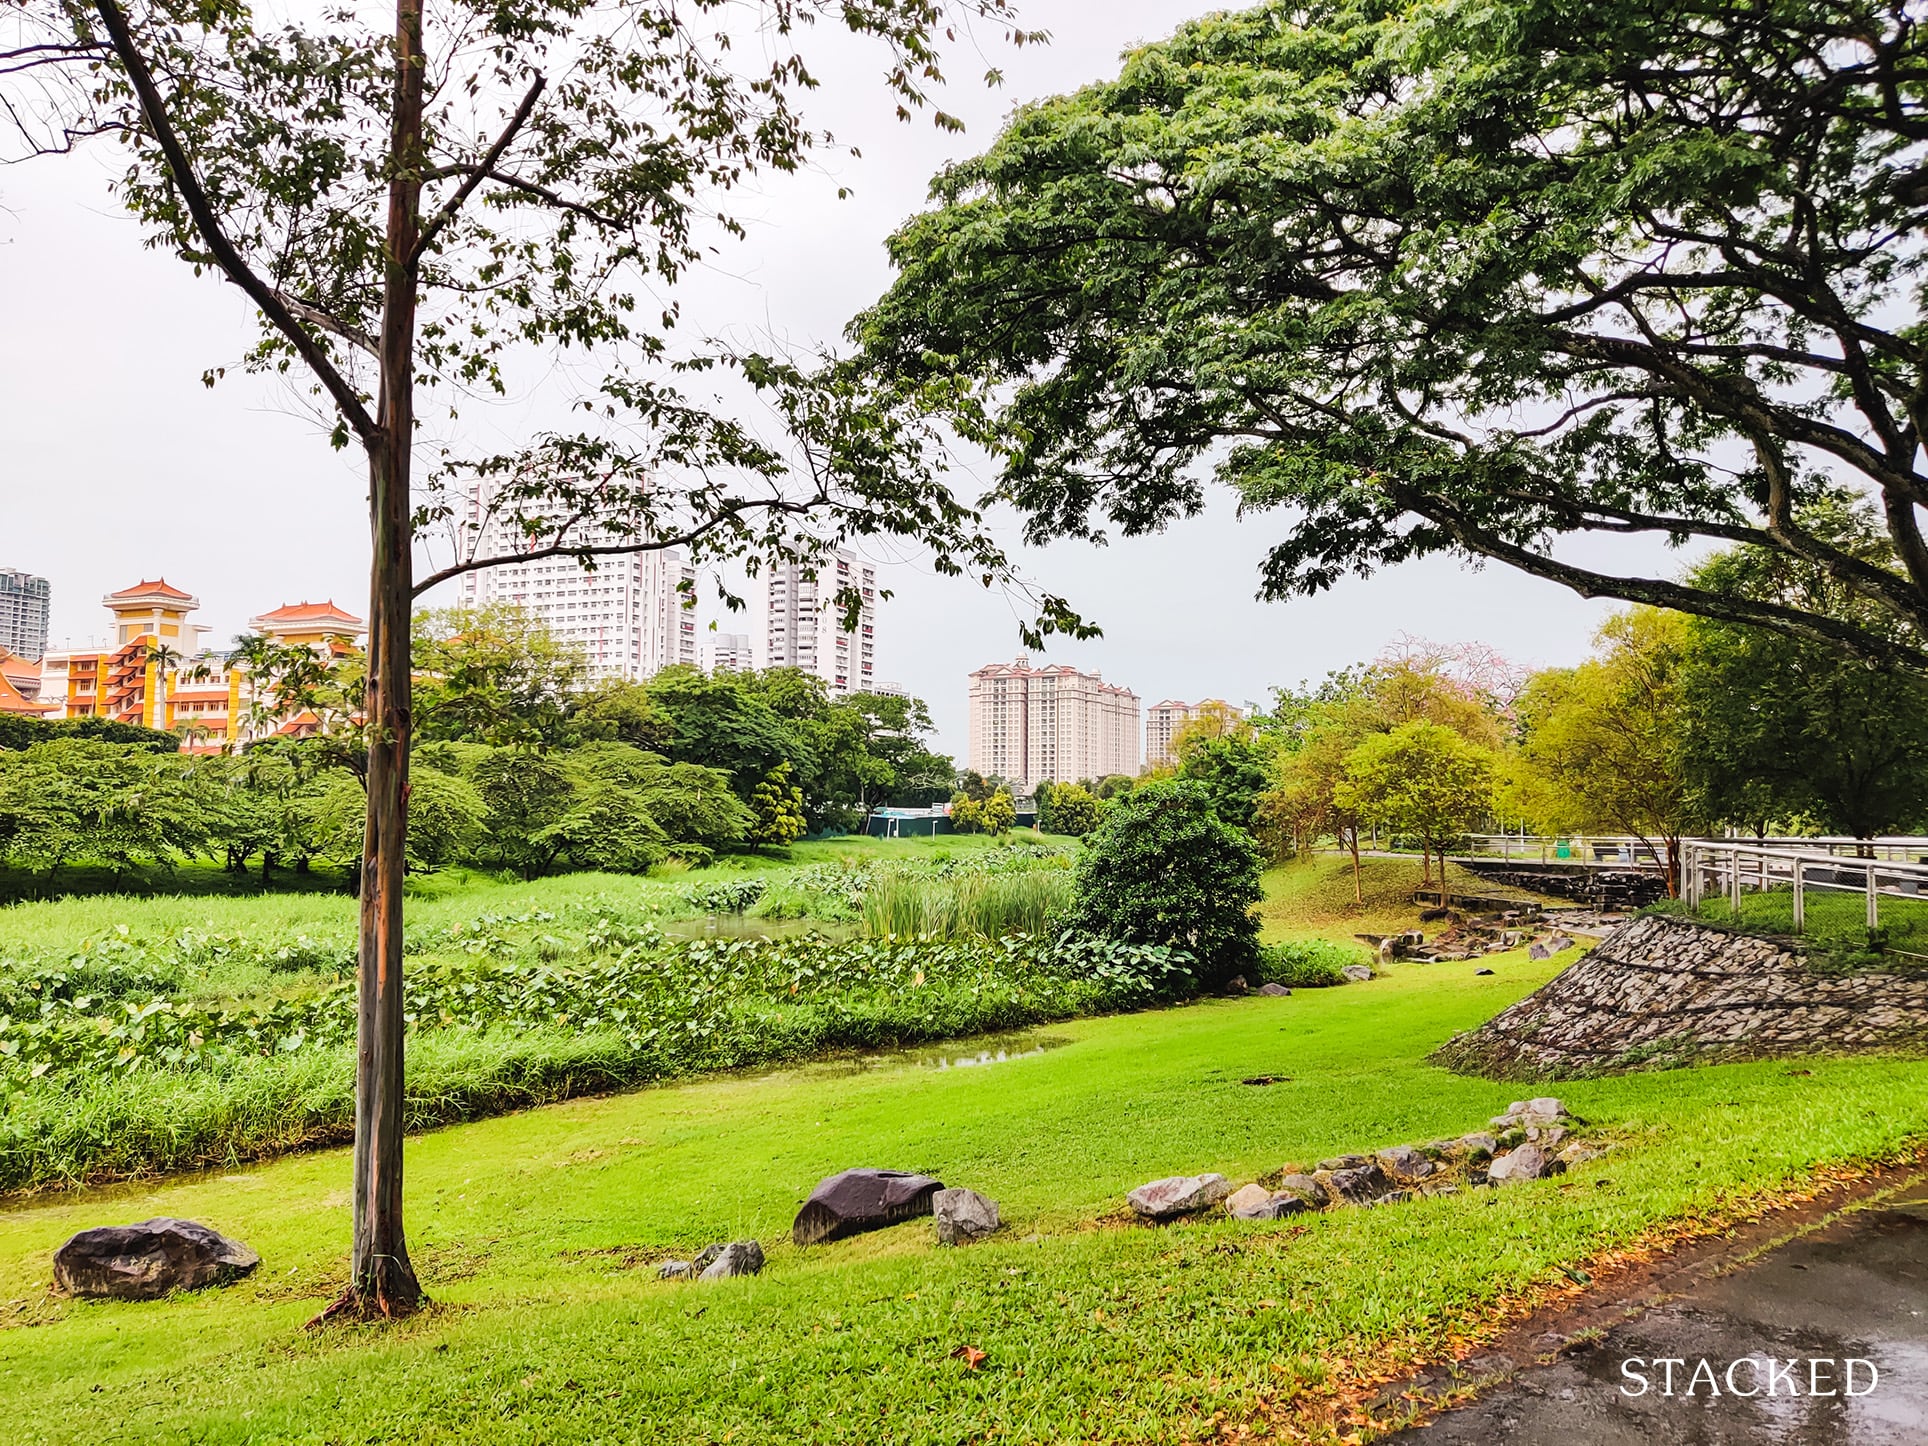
x=1420, y=779
x=1461, y=279
x=1164, y=868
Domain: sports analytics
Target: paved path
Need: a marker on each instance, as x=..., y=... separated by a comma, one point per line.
x=1856, y=1288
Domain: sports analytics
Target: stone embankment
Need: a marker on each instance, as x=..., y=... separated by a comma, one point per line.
x=1661, y=992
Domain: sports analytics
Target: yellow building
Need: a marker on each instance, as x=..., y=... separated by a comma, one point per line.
x=159, y=674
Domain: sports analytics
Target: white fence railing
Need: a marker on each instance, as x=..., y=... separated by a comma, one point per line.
x=1640, y=853
x=1711, y=868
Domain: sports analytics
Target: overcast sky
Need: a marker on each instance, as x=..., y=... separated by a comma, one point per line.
x=119, y=464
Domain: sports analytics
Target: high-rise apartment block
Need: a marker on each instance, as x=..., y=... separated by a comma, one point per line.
x=805, y=627
x=1163, y=720
x=729, y=653
x=1033, y=724
x=23, y=613
x=632, y=617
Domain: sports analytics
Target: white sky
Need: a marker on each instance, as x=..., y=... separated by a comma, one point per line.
x=119, y=465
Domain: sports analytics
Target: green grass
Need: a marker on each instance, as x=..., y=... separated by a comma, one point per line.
x=535, y=1233
x=968, y=906
x=1834, y=918
x=1313, y=898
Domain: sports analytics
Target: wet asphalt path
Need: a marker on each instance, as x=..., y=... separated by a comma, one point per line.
x=1855, y=1289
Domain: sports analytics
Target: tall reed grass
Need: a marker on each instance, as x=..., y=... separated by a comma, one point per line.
x=966, y=906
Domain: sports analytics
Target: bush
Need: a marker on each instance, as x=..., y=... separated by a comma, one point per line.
x=1164, y=868
x=974, y=905
x=1309, y=964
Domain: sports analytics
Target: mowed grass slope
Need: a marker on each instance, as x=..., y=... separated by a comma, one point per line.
x=1314, y=898
x=536, y=1233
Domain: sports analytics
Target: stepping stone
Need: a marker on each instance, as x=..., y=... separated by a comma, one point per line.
x=858, y=1200
x=739, y=1257
x=148, y=1260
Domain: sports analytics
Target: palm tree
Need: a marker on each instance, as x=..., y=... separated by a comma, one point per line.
x=161, y=657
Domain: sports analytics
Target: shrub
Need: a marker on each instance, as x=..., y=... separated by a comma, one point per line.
x=974, y=905
x=1164, y=868
x=1307, y=964
x=726, y=896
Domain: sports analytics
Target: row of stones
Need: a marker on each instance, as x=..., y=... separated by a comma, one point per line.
x=1521, y=1146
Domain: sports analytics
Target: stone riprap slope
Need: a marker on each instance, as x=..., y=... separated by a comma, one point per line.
x=1661, y=992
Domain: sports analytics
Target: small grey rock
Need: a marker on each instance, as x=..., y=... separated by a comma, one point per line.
x=675, y=1270
x=1524, y=1163
x=1482, y=971
x=1577, y=1154
x=1478, y=1143
x=1357, y=973
x=1236, y=985
x=1543, y=1111
x=1393, y=1197
x=1406, y=1163
x=1357, y=1187
x=1343, y=1162
x=1537, y=950
x=1275, y=991
x=1178, y=1195
x=963, y=1216
x=1275, y=1206
x=706, y=1257
x=1306, y=1188
x=739, y=1257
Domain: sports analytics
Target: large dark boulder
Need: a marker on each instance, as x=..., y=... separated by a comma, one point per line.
x=148, y=1260
x=860, y=1200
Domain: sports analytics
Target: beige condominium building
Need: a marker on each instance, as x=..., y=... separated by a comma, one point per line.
x=1032, y=724
x=804, y=625
x=1163, y=720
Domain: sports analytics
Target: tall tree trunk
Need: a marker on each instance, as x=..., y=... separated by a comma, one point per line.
x=1358, y=888
x=381, y=1280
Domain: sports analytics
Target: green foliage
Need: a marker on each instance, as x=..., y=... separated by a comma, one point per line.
x=1164, y=868
x=1234, y=765
x=1777, y=728
x=492, y=675
x=776, y=806
x=1422, y=779
x=993, y=814
x=18, y=732
x=1305, y=964
x=1339, y=252
x=81, y=798
x=726, y=896
x=969, y=905
x=1069, y=809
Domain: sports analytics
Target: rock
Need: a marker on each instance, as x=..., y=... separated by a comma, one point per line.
x=1406, y=1163
x=1393, y=1197
x=1559, y=942
x=1537, y=950
x=1479, y=1143
x=859, y=1200
x=1505, y=1122
x=963, y=1216
x=1542, y=1111
x=706, y=1257
x=1275, y=991
x=1482, y=971
x=1577, y=1154
x=1306, y=1188
x=148, y=1260
x=1357, y=973
x=1275, y=1205
x=1357, y=1187
x=675, y=1270
x=1236, y=984
x=739, y=1257
x=1548, y=1138
x=1524, y=1163
x=1343, y=1162
x=1246, y=1197
x=1178, y=1195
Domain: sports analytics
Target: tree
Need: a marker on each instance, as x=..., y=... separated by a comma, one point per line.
x=1235, y=766
x=1074, y=809
x=776, y=807
x=1602, y=744
x=992, y=814
x=1776, y=727
x=1421, y=779
x=405, y=245
x=1460, y=281
x=493, y=675
x=1164, y=868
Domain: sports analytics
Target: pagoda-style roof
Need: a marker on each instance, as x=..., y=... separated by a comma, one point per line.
x=328, y=617
x=158, y=593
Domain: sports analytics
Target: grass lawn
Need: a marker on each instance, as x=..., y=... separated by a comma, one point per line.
x=1313, y=898
x=536, y=1232
x=1833, y=917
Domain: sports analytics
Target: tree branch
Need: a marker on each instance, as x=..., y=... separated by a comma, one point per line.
x=327, y=322
x=209, y=225
x=475, y=177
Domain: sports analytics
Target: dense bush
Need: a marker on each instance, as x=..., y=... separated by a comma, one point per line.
x=17, y=732
x=1164, y=868
x=1305, y=964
